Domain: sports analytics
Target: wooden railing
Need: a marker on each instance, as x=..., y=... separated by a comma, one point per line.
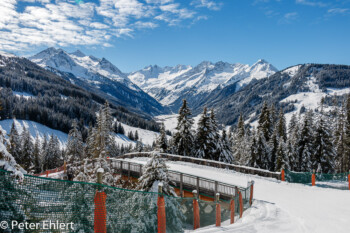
x=211, y=163
x=184, y=181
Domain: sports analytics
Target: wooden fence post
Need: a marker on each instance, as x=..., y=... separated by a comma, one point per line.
x=181, y=185
x=240, y=204
x=232, y=209
x=282, y=175
x=349, y=179
x=161, y=210
x=196, y=220
x=251, y=193
x=100, y=217
x=313, y=178
x=218, y=210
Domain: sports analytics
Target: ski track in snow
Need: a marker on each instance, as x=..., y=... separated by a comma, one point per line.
x=278, y=206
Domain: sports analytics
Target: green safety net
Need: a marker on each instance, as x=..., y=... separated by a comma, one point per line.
x=39, y=200
x=305, y=177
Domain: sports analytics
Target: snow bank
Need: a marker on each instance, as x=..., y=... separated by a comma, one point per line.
x=279, y=206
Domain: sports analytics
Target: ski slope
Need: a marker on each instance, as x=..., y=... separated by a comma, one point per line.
x=278, y=206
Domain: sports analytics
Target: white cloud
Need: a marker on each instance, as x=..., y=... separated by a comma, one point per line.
x=28, y=23
x=289, y=18
x=211, y=5
x=311, y=3
x=339, y=11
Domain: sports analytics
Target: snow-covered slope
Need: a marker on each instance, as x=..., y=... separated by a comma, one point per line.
x=279, y=207
x=170, y=84
x=89, y=71
x=35, y=129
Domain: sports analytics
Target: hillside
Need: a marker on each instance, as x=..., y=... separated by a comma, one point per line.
x=53, y=101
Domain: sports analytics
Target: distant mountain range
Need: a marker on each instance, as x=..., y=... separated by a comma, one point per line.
x=98, y=75
x=169, y=85
x=228, y=88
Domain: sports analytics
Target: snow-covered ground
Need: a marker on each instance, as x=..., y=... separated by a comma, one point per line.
x=35, y=129
x=23, y=95
x=278, y=206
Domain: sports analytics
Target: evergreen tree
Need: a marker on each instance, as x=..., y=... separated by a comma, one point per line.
x=162, y=141
x=225, y=155
x=253, y=158
x=183, y=139
x=281, y=126
x=53, y=157
x=263, y=153
x=131, y=136
x=305, y=144
x=265, y=124
x=27, y=149
x=203, y=137
x=75, y=149
x=136, y=135
x=346, y=155
x=273, y=145
x=14, y=145
x=282, y=161
x=324, y=155
x=37, y=156
x=154, y=172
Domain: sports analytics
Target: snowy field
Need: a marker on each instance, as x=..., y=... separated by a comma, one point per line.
x=170, y=121
x=278, y=206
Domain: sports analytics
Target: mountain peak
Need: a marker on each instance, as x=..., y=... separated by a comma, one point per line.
x=78, y=53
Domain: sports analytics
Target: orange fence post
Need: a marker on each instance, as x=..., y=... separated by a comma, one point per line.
x=218, y=210
x=313, y=178
x=349, y=180
x=232, y=208
x=240, y=205
x=196, y=220
x=100, y=217
x=161, y=210
x=251, y=193
x=283, y=175
x=100, y=212
x=47, y=173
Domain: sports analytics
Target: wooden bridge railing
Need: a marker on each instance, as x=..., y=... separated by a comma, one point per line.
x=184, y=181
x=211, y=163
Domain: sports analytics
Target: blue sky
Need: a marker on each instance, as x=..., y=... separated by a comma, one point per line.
x=135, y=33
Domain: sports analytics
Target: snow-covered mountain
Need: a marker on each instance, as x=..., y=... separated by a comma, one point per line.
x=99, y=73
x=169, y=85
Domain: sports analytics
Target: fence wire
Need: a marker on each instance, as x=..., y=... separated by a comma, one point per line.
x=38, y=200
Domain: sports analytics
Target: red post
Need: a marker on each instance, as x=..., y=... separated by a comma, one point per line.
x=161, y=214
x=282, y=175
x=100, y=212
x=47, y=173
x=251, y=193
x=240, y=205
x=349, y=180
x=313, y=179
x=232, y=208
x=218, y=211
x=196, y=220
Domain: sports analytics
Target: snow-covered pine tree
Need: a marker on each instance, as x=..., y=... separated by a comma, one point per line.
x=37, y=156
x=136, y=135
x=263, y=151
x=75, y=148
x=154, y=172
x=27, y=149
x=304, y=145
x=218, y=152
x=14, y=145
x=265, y=125
x=202, y=137
x=253, y=158
x=226, y=154
x=273, y=145
x=162, y=141
x=281, y=126
x=183, y=139
x=324, y=153
x=282, y=156
x=53, y=156
x=346, y=155
x=293, y=136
